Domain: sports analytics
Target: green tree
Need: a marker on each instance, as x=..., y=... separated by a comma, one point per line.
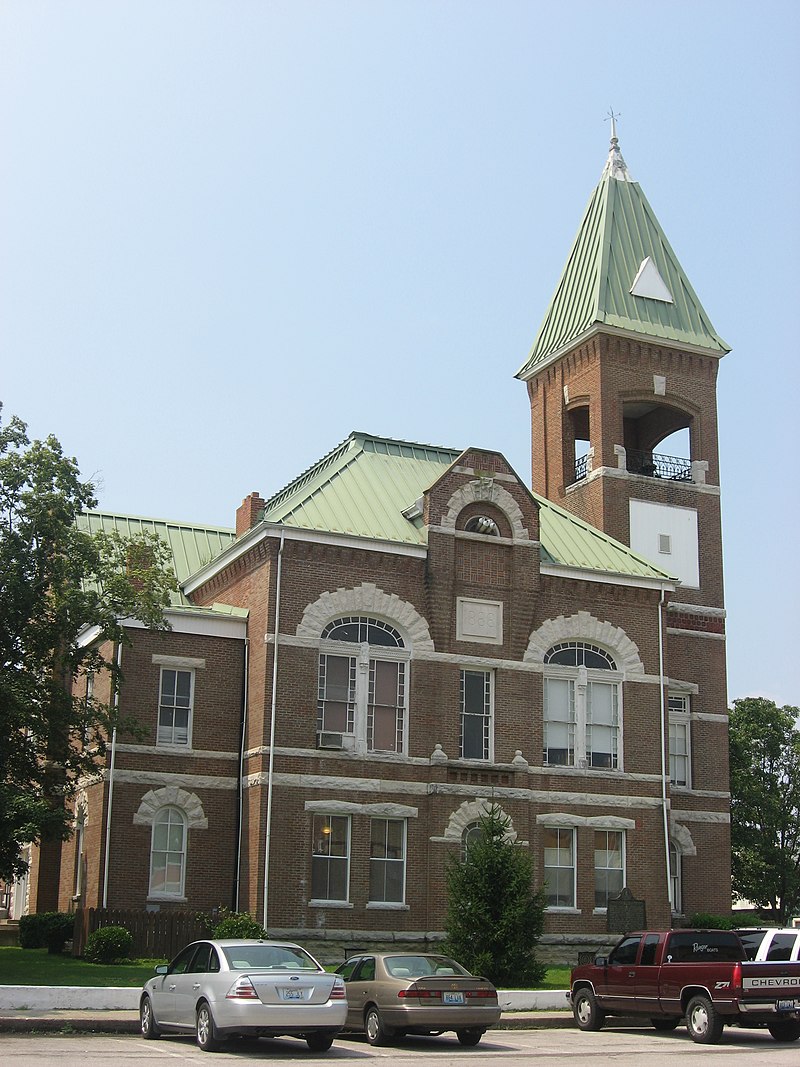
x=765, y=805
x=57, y=581
x=494, y=916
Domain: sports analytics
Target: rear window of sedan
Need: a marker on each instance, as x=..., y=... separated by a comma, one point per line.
x=422, y=966
x=268, y=958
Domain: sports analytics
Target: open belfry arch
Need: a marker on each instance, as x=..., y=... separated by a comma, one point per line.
x=406, y=635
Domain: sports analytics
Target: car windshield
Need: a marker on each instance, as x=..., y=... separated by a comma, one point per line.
x=422, y=966
x=268, y=958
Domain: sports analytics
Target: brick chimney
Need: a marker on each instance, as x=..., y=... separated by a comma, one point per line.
x=249, y=513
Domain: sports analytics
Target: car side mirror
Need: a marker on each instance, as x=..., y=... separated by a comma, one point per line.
x=601, y=961
x=162, y=968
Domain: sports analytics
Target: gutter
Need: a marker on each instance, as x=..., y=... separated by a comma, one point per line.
x=273, y=707
x=111, y=777
x=664, y=767
x=240, y=788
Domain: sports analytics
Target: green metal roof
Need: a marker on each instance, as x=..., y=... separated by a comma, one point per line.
x=618, y=234
x=364, y=485
x=191, y=546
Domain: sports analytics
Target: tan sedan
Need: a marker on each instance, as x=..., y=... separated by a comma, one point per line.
x=391, y=994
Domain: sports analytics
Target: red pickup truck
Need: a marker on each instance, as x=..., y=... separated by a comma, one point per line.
x=700, y=975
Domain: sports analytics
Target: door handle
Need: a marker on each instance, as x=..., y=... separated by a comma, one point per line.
x=631, y=974
x=195, y=985
x=172, y=989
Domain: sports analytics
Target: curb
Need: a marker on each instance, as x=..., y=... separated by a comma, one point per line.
x=127, y=1022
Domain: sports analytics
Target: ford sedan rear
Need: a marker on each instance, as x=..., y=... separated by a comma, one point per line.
x=217, y=989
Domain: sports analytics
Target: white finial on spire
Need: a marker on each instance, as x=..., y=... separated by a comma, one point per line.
x=615, y=165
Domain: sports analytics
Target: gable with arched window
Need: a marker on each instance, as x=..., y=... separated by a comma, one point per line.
x=582, y=707
x=363, y=685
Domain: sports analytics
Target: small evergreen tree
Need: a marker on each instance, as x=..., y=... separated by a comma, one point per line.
x=494, y=915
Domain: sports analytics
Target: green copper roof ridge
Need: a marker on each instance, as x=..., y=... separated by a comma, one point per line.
x=178, y=523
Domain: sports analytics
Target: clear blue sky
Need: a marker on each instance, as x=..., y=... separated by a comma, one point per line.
x=232, y=232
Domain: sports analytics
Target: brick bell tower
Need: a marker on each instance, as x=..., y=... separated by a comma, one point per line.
x=626, y=357
x=622, y=386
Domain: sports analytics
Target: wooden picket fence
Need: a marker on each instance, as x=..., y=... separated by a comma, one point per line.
x=157, y=935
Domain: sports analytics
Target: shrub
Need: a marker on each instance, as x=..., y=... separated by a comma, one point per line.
x=237, y=924
x=703, y=920
x=108, y=945
x=50, y=929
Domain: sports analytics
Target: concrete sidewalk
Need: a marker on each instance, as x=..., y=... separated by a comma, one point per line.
x=70, y=1020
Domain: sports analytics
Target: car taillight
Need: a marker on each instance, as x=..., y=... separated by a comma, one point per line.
x=242, y=989
x=486, y=994
x=421, y=994
x=338, y=992
x=736, y=979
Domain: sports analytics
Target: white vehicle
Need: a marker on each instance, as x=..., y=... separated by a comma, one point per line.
x=770, y=945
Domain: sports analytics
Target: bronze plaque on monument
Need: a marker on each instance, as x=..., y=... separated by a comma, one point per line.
x=625, y=913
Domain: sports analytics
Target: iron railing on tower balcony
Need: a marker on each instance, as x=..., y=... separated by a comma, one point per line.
x=581, y=464
x=654, y=465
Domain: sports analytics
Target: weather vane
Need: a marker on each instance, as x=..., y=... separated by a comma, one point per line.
x=613, y=117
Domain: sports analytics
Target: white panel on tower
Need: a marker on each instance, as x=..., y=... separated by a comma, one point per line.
x=656, y=526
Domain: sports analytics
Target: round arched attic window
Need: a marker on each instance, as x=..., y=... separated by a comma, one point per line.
x=482, y=524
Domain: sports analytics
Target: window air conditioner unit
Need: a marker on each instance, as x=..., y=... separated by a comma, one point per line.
x=329, y=740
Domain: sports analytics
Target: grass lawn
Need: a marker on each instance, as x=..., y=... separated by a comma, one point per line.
x=34, y=966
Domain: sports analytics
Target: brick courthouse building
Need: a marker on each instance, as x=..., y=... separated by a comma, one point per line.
x=406, y=634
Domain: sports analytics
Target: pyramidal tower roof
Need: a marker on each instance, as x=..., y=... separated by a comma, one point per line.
x=621, y=274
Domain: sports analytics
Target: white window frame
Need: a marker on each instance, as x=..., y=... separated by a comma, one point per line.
x=602, y=908
x=580, y=682
x=161, y=741
x=567, y=831
x=487, y=715
x=675, y=879
x=319, y=820
x=680, y=737
x=178, y=892
x=385, y=862
x=363, y=659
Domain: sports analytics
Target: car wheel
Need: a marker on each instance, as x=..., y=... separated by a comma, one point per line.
x=207, y=1037
x=785, y=1030
x=319, y=1042
x=147, y=1021
x=377, y=1033
x=665, y=1023
x=587, y=1014
x=703, y=1021
x=469, y=1037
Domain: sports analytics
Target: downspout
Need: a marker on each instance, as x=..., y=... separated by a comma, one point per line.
x=240, y=798
x=273, y=706
x=664, y=768
x=111, y=776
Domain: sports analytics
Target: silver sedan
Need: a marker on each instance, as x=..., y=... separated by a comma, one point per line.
x=218, y=989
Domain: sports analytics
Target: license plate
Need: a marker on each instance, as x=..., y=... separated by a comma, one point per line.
x=292, y=994
x=452, y=998
x=788, y=1005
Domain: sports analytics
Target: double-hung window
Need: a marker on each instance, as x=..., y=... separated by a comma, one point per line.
x=362, y=693
x=476, y=714
x=330, y=860
x=168, y=854
x=387, y=861
x=609, y=865
x=175, y=707
x=559, y=866
x=581, y=707
x=679, y=740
